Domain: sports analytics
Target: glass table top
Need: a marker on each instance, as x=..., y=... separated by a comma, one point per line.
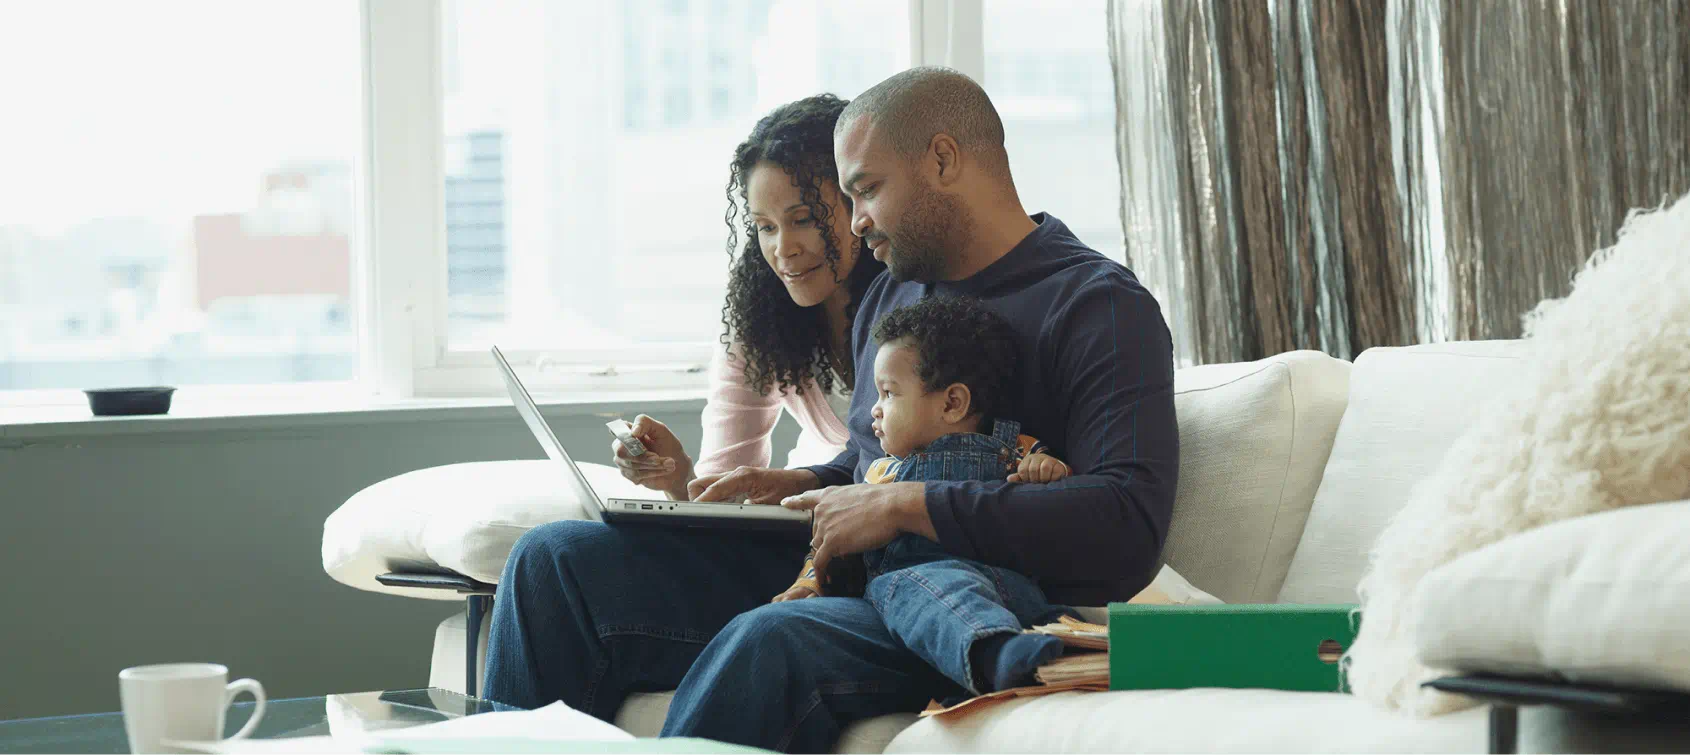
x=341, y=715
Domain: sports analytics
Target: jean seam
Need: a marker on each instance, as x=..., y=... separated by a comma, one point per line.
x=798, y=720
x=606, y=631
x=816, y=698
x=1003, y=591
x=592, y=691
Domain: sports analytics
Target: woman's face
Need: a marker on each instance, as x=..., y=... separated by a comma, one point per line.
x=790, y=238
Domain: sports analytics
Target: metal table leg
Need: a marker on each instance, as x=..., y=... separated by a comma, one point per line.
x=1504, y=729
x=478, y=605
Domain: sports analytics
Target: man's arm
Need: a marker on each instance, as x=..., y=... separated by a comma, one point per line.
x=841, y=471
x=1106, y=524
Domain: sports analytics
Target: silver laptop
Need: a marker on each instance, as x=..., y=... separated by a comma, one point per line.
x=736, y=516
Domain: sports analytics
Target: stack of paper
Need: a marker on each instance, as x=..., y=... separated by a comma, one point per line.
x=1082, y=669
x=1084, y=666
x=1077, y=634
x=1077, y=668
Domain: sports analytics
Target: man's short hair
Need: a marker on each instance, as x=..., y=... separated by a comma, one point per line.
x=914, y=105
x=959, y=340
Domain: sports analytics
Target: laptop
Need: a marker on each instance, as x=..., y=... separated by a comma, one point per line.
x=732, y=516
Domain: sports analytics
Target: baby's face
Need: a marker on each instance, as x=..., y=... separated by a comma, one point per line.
x=907, y=416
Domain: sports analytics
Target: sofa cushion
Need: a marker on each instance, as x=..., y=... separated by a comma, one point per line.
x=1254, y=437
x=1406, y=406
x=461, y=517
x=1193, y=720
x=1603, y=598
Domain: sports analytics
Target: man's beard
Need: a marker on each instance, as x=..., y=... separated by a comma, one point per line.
x=925, y=238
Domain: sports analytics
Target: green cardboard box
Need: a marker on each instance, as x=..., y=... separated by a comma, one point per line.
x=1270, y=646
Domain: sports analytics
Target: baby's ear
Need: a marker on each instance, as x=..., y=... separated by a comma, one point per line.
x=959, y=403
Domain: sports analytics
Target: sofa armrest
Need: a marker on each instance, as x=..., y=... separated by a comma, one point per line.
x=458, y=583
x=1522, y=692
x=458, y=518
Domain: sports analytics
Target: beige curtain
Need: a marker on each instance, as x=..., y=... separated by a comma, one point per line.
x=1342, y=174
x=1558, y=119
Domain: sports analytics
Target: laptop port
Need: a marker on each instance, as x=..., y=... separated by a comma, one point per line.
x=646, y=506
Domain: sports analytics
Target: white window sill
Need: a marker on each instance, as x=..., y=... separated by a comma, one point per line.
x=219, y=413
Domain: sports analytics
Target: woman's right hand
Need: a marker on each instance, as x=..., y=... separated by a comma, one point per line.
x=664, y=467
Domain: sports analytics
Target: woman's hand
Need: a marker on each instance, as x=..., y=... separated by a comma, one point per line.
x=752, y=485
x=664, y=467
x=795, y=592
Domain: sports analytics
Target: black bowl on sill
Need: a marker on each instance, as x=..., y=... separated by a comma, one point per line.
x=124, y=402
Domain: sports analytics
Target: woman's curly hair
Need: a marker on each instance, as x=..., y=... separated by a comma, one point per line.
x=959, y=340
x=781, y=342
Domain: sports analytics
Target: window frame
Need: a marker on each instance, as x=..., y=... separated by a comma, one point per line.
x=398, y=238
x=401, y=264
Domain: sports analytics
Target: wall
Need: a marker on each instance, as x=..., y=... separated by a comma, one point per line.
x=120, y=550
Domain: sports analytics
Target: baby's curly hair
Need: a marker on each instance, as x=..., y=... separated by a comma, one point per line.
x=960, y=341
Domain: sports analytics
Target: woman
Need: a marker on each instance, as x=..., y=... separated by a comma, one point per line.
x=793, y=290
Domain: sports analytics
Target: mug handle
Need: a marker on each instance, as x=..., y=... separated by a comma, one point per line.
x=245, y=685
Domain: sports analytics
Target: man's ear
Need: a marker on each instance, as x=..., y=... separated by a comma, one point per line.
x=947, y=155
x=959, y=403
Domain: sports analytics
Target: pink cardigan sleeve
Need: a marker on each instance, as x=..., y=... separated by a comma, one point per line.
x=737, y=420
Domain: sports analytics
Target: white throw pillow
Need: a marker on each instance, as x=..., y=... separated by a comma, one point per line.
x=1406, y=406
x=1603, y=598
x=1594, y=420
x=462, y=517
x=1253, y=438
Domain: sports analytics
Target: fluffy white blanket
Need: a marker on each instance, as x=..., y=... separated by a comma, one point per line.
x=1598, y=418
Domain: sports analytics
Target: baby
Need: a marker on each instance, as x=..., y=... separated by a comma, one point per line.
x=946, y=371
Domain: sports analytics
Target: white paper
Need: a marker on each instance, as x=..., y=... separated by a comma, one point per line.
x=555, y=722
x=340, y=745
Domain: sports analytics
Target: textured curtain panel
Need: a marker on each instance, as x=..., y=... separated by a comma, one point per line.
x=1342, y=174
x=1558, y=118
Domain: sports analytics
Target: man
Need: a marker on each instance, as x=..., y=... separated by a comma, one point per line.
x=588, y=613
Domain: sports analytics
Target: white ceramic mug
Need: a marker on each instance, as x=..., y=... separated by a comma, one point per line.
x=181, y=702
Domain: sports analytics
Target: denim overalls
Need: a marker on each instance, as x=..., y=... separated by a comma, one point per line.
x=936, y=603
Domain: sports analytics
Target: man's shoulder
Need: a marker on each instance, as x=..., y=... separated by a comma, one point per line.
x=1078, y=278
x=1066, y=260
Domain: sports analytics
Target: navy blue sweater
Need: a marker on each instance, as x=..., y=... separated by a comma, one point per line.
x=1097, y=386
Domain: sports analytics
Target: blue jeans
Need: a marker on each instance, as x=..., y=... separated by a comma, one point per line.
x=587, y=613
x=934, y=603
x=938, y=605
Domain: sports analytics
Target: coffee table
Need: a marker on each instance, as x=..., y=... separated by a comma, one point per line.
x=293, y=717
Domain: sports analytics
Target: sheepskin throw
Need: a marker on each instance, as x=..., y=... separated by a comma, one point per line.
x=1598, y=418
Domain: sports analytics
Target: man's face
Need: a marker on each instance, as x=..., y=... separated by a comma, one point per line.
x=908, y=223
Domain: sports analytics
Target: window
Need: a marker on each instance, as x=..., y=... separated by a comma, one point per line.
x=1047, y=70
x=302, y=191
x=588, y=145
x=176, y=202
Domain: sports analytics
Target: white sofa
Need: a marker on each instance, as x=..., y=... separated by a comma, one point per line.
x=1290, y=468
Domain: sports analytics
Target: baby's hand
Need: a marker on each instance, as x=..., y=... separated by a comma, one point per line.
x=1039, y=468
x=795, y=592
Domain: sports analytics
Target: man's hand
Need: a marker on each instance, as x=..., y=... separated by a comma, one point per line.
x=752, y=485
x=849, y=519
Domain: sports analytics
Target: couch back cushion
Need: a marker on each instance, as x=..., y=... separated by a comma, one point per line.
x=1254, y=437
x=1407, y=406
